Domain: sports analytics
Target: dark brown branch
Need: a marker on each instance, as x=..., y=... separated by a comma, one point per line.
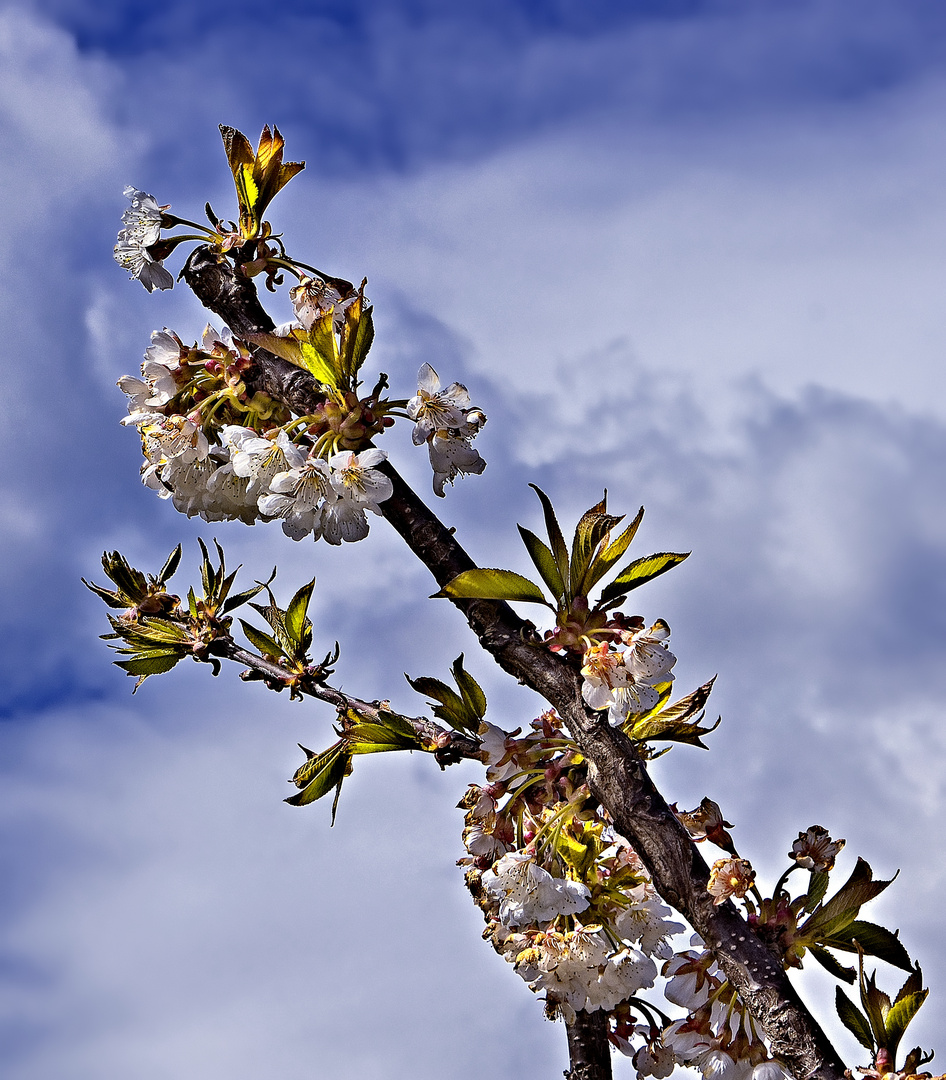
x=589, y=1052
x=617, y=774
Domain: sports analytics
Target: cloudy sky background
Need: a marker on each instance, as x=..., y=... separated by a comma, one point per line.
x=690, y=251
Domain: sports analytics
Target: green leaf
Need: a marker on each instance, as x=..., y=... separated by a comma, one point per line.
x=298, y=626
x=238, y=599
x=832, y=965
x=612, y=553
x=357, y=336
x=659, y=728
x=263, y=642
x=544, y=561
x=208, y=577
x=594, y=526
x=853, y=1019
x=368, y=737
x=900, y=1015
x=155, y=662
x=843, y=907
x=817, y=887
x=131, y=582
x=876, y=1003
x=874, y=940
x=257, y=176
x=913, y=985
x=320, y=774
x=171, y=565
x=556, y=540
x=322, y=351
x=452, y=709
x=276, y=618
x=683, y=709
x=491, y=584
x=639, y=572
x=473, y=696
x=112, y=599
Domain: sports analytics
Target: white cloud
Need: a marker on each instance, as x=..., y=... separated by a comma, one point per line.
x=180, y=916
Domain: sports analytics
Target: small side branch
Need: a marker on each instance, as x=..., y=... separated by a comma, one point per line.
x=448, y=746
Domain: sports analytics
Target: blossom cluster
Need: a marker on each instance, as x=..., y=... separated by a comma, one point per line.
x=567, y=902
x=251, y=473
x=624, y=679
x=571, y=906
x=718, y=1036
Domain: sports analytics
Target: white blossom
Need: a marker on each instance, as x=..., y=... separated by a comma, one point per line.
x=260, y=459
x=577, y=969
x=685, y=1041
x=228, y=498
x=142, y=222
x=298, y=496
x=686, y=988
x=644, y=920
x=716, y=1065
x=190, y=484
x=647, y=658
x=769, y=1070
x=478, y=839
x=169, y=437
x=151, y=392
x=450, y=456
x=142, y=219
x=343, y=519
x=313, y=297
x=528, y=894
x=354, y=478
x=624, y=974
x=655, y=1059
x=625, y=682
x=166, y=348
x=493, y=744
x=140, y=264
x=433, y=409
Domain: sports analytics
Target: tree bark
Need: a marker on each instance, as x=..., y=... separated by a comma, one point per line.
x=589, y=1052
x=617, y=774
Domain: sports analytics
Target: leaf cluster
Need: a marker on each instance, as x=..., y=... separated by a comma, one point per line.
x=155, y=631
x=880, y=1024
x=333, y=357
x=570, y=573
x=679, y=722
x=463, y=710
x=382, y=732
x=258, y=175
x=834, y=924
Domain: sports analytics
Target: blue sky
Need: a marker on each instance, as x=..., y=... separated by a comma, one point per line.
x=690, y=252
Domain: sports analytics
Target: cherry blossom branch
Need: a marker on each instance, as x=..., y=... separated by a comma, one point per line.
x=617, y=773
